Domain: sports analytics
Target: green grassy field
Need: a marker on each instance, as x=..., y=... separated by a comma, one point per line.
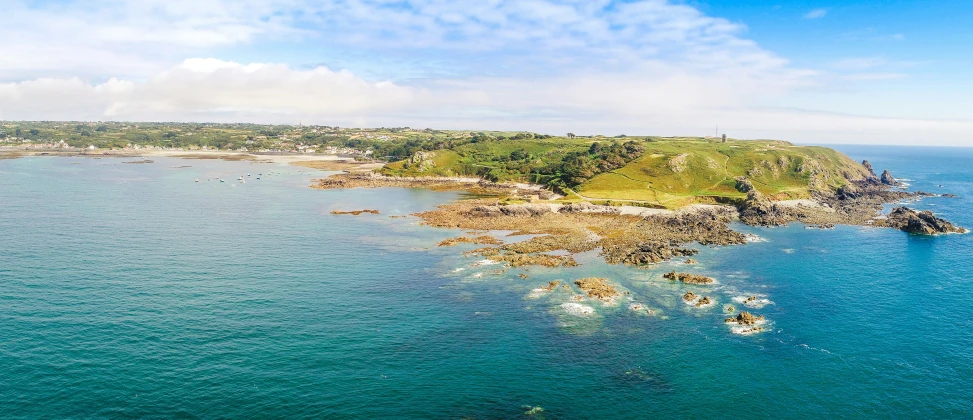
x=671, y=172
x=677, y=173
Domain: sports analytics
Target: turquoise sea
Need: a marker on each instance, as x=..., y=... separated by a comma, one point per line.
x=131, y=291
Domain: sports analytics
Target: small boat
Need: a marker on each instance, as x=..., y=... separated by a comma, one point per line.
x=197, y=179
x=222, y=180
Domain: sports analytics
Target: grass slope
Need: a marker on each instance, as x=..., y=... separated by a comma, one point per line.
x=672, y=172
x=675, y=173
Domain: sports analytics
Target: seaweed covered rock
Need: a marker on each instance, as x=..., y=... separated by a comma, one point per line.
x=688, y=278
x=479, y=240
x=921, y=223
x=597, y=288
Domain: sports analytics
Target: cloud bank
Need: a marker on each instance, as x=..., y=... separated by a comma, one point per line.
x=636, y=67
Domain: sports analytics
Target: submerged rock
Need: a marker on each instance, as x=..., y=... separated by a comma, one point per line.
x=688, y=278
x=921, y=223
x=691, y=261
x=479, y=240
x=356, y=212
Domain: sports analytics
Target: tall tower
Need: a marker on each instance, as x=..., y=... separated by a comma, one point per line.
x=724, y=137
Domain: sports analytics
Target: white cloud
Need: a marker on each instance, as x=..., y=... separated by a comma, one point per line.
x=587, y=66
x=816, y=14
x=653, y=99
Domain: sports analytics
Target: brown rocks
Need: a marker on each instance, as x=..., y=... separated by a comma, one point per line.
x=921, y=223
x=688, y=278
x=523, y=276
x=758, y=210
x=551, y=286
x=691, y=261
x=888, y=179
x=744, y=318
x=868, y=167
x=703, y=301
x=689, y=297
x=479, y=240
x=597, y=288
x=356, y=212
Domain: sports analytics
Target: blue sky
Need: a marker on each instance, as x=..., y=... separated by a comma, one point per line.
x=808, y=71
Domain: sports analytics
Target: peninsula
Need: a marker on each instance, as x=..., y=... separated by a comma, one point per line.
x=639, y=199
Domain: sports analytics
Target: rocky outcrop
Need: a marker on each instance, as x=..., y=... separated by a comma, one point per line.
x=421, y=161
x=744, y=185
x=587, y=208
x=744, y=318
x=689, y=297
x=678, y=163
x=687, y=278
x=551, y=286
x=868, y=167
x=704, y=301
x=888, y=179
x=597, y=288
x=921, y=222
x=691, y=261
x=758, y=210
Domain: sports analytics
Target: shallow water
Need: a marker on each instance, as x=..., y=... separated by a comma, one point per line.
x=132, y=291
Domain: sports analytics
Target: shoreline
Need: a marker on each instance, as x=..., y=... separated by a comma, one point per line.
x=297, y=159
x=862, y=206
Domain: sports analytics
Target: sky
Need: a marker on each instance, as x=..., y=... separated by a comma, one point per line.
x=867, y=72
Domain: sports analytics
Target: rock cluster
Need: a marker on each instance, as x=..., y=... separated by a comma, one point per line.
x=688, y=278
x=597, y=288
x=479, y=240
x=744, y=318
x=922, y=223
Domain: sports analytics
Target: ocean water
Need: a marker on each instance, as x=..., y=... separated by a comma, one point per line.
x=133, y=291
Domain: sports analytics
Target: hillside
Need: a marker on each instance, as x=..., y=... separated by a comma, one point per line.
x=666, y=172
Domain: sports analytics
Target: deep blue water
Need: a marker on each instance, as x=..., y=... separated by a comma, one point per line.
x=132, y=291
